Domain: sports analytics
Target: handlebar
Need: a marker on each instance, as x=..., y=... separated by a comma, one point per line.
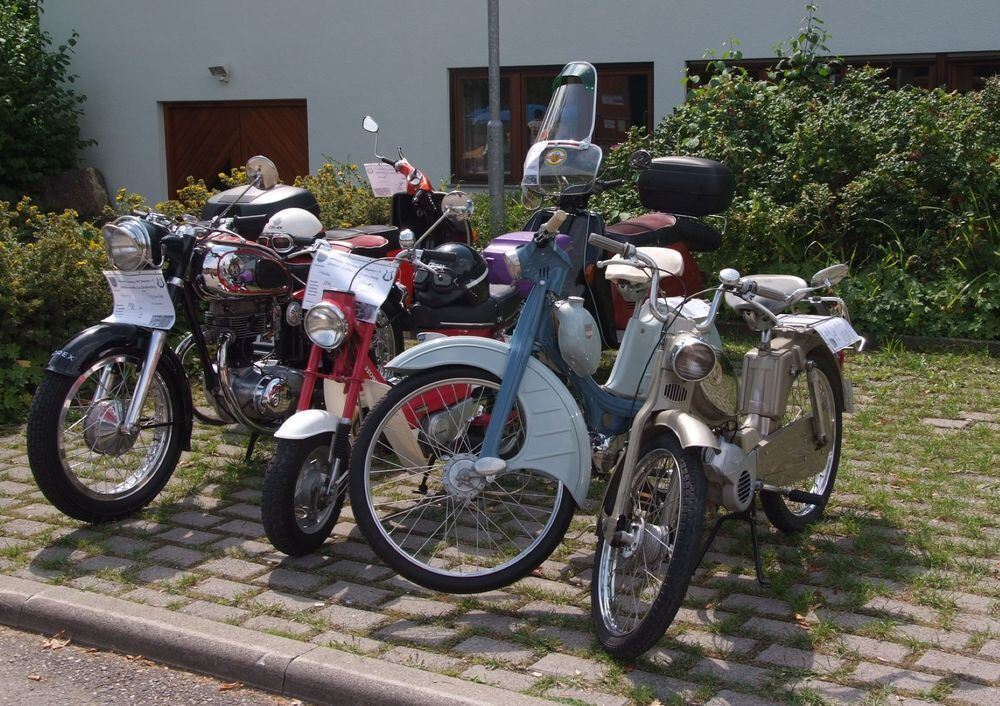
x=386, y=160
x=769, y=293
x=607, y=243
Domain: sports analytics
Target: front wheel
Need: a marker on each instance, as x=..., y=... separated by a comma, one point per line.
x=296, y=510
x=643, y=570
x=82, y=460
x=791, y=517
x=422, y=508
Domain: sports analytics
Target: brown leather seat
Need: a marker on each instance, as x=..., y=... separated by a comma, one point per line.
x=662, y=229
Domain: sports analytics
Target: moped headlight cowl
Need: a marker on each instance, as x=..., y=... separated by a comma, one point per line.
x=512, y=259
x=692, y=359
x=326, y=325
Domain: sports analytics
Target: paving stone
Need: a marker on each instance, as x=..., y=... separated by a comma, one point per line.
x=93, y=583
x=230, y=568
x=488, y=648
x=38, y=511
x=542, y=609
x=354, y=594
x=409, y=631
x=714, y=642
x=406, y=586
x=667, y=689
x=976, y=623
x=332, y=638
x=344, y=618
x=971, y=602
x=8, y=487
x=222, y=588
x=288, y=601
x=734, y=698
x=597, y=698
x=990, y=650
x=214, y=611
x=292, y=580
x=847, y=620
x=104, y=563
x=497, y=598
x=830, y=692
x=799, y=659
x=148, y=596
x=244, y=528
x=896, y=677
x=902, y=609
x=165, y=574
x=139, y=525
x=561, y=665
x=422, y=659
x=194, y=519
x=875, y=649
x=763, y=606
x=702, y=616
x=975, y=694
x=954, y=424
x=933, y=636
x=556, y=588
x=269, y=623
x=732, y=672
x=356, y=551
x=177, y=556
x=191, y=537
x=490, y=622
x=243, y=510
x=775, y=628
x=247, y=495
x=420, y=607
x=238, y=544
x=569, y=639
x=24, y=528
x=127, y=546
x=359, y=571
x=957, y=664
x=512, y=681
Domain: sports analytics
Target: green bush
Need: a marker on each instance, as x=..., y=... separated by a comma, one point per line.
x=344, y=196
x=903, y=184
x=39, y=113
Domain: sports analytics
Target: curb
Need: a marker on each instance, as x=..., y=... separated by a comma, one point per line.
x=277, y=664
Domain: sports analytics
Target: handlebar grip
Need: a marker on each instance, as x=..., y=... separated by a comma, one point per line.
x=441, y=255
x=386, y=160
x=555, y=223
x=770, y=293
x=612, y=184
x=606, y=243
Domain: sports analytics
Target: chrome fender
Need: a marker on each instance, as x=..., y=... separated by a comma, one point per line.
x=558, y=445
x=690, y=430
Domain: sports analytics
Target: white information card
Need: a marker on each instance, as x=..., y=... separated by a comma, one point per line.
x=385, y=180
x=371, y=280
x=836, y=332
x=141, y=298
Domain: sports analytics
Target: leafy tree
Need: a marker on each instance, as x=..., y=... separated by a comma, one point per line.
x=39, y=112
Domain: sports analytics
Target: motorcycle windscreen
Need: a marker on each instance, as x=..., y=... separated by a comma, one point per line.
x=561, y=168
x=573, y=106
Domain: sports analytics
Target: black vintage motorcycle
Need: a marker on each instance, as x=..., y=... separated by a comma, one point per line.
x=114, y=411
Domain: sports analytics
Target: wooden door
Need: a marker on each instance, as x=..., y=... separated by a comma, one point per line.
x=206, y=138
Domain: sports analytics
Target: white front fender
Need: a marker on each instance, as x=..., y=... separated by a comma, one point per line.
x=557, y=445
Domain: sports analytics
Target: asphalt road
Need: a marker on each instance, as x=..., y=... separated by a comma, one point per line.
x=38, y=670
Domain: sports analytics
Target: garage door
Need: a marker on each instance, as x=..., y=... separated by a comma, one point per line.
x=206, y=138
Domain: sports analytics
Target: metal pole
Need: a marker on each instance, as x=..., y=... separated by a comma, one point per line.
x=494, y=128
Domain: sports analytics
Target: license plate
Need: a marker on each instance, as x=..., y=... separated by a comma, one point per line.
x=140, y=298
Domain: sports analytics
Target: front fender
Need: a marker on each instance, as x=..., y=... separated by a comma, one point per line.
x=557, y=445
x=75, y=356
x=690, y=430
x=306, y=424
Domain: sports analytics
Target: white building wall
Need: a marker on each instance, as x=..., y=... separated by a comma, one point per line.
x=390, y=58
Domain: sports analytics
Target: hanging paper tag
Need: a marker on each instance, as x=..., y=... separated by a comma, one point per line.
x=141, y=298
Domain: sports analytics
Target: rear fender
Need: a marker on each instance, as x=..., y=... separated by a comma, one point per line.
x=558, y=445
x=75, y=356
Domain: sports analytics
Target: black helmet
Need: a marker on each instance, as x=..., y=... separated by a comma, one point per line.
x=460, y=277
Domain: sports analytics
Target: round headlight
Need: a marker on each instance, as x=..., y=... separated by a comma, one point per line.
x=513, y=262
x=326, y=325
x=692, y=359
x=127, y=244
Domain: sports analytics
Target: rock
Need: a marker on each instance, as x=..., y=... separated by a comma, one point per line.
x=82, y=190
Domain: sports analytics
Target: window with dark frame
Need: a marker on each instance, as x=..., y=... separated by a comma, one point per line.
x=953, y=72
x=624, y=100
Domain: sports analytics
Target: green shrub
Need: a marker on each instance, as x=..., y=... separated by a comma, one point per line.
x=344, y=196
x=39, y=113
x=903, y=184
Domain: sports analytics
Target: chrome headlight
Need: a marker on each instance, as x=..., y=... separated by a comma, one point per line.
x=692, y=359
x=513, y=262
x=128, y=244
x=326, y=325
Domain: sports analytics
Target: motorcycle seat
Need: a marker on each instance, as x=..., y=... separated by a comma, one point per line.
x=390, y=233
x=360, y=244
x=667, y=262
x=501, y=307
x=662, y=229
x=786, y=284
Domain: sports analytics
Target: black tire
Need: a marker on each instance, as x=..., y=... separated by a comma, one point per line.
x=372, y=445
x=47, y=443
x=629, y=641
x=288, y=520
x=788, y=517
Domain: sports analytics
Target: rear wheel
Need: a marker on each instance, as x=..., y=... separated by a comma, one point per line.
x=642, y=572
x=424, y=510
x=788, y=516
x=296, y=511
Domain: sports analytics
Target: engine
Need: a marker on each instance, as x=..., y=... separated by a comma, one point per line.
x=266, y=392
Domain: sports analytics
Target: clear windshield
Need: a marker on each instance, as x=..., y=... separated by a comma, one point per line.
x=564, y=161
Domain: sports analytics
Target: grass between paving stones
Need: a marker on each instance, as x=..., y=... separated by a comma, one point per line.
x=913, y=519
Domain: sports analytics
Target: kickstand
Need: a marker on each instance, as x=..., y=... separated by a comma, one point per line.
x=750, y=516
x=250, y=446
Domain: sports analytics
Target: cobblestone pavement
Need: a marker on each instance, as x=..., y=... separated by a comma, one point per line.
x=894, y=599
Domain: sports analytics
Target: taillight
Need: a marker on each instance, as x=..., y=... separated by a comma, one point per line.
x=840, y=358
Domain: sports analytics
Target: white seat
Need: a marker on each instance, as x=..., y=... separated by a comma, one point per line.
x=667, y=260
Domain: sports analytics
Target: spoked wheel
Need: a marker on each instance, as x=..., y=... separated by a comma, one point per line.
x=422, y=507
x=643, y=571
x=387, y=341
x=788, y=516
x=296, y=510
x=187, y=353
x=82, y=459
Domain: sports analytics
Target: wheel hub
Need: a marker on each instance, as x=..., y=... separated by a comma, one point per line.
x=644, y=542
x=310, y=495
x=461, y=479
x=102, y=429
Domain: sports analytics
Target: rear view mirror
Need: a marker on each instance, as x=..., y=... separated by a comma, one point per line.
x=262, y=172
x=457, y=205
x=640, y=160
x=829, y=276
x=369, y=124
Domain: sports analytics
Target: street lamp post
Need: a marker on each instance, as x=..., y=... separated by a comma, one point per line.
x=494, y=128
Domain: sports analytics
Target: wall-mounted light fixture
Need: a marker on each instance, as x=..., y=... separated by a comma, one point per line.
x=220, y=72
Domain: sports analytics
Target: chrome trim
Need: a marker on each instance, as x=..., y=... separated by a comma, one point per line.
x=157, y=340
x=227, y=391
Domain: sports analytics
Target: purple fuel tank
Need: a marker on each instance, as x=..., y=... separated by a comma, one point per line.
x=494, y=254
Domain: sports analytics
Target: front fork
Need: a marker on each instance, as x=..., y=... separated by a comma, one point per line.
x=157, y=340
